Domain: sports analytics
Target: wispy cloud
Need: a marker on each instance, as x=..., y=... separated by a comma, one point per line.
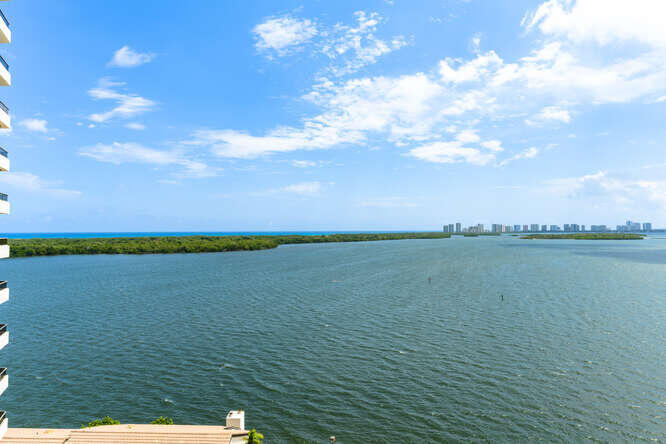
x=37, y=125
x=347, y=47
x=135, y=126
x=301, y=189
x=606, y=189
x=550, y=114
x=31, y=182
x=118, y=153
x=353, y=47
x=278, y=36
x=303, y=163
x=126, y=57
x=127, y=105
x=529, y=153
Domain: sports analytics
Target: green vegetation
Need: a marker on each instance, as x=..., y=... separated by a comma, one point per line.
x=190, y=244
x=476, y=234
x=586, y=236
x=254, y=437
x=107, y=420
x=162, y=420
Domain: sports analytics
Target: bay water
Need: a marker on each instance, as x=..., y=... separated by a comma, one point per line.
x=509, y=340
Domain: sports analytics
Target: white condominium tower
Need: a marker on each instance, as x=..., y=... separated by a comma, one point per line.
x=5, y=80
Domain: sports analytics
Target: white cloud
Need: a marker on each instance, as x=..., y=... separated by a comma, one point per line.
x=126, y=57
x=601, y=21
x=605, y=189
x=474, y=70
x=38, y=125
x=493, y=145
x=529, y=153
x=135, y=126
x=118, y=153
x=303, y=163
x=30, y=182
x=301, y=189
x=550, y=114
x=281, y=35
x=451, y=152
x=421, y=113
x=348, y=48
x=353, y=47
x=128, y=105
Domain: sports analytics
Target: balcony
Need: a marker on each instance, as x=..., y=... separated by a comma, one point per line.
x=4, y=423
x=4, y=336
x=4, y=292
x=5, y=121
x=5, y=32
x=4, y=380
x=4, y=160
x=4, y=248
x=4, y=203
x=5, y=76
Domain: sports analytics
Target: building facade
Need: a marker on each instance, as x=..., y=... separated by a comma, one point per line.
x=5, y=122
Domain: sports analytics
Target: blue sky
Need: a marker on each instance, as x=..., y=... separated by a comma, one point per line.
x=265, y=115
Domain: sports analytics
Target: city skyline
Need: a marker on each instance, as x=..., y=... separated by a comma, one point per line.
x=628, y=226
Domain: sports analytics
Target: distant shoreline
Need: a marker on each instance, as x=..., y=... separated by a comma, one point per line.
x=586, y=236
x=32, y=247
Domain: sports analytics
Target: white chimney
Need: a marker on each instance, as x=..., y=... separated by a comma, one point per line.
x=236, y=419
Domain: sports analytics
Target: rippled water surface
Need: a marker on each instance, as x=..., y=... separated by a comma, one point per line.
x=350, y=339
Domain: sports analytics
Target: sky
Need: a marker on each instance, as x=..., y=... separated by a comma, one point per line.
x=345, y=115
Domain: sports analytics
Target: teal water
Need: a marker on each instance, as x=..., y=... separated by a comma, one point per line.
x=350, y=339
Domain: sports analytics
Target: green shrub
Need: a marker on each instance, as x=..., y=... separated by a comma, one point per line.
x=254, y=437
x=107, y=420
x=162, y=420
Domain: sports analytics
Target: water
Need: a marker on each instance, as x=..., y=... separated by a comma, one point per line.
x=350, y=340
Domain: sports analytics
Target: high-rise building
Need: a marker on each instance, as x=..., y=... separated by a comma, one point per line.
x=598, y=228
x=632, y=226
x=479, y=228
x=5, y=122
x=534, y=228
x=458, y=227
x=567, y=228
x=647, y=226
x=582, y=228
x=496, y=228
x=554, y=228
x=445, y=228
x=526, y=228
x=450, y=228
x=575, y=227
x=516, y=228
x=544, y=227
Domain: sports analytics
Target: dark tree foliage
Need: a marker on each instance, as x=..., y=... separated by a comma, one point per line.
x=107, y=420
x=190, y=244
